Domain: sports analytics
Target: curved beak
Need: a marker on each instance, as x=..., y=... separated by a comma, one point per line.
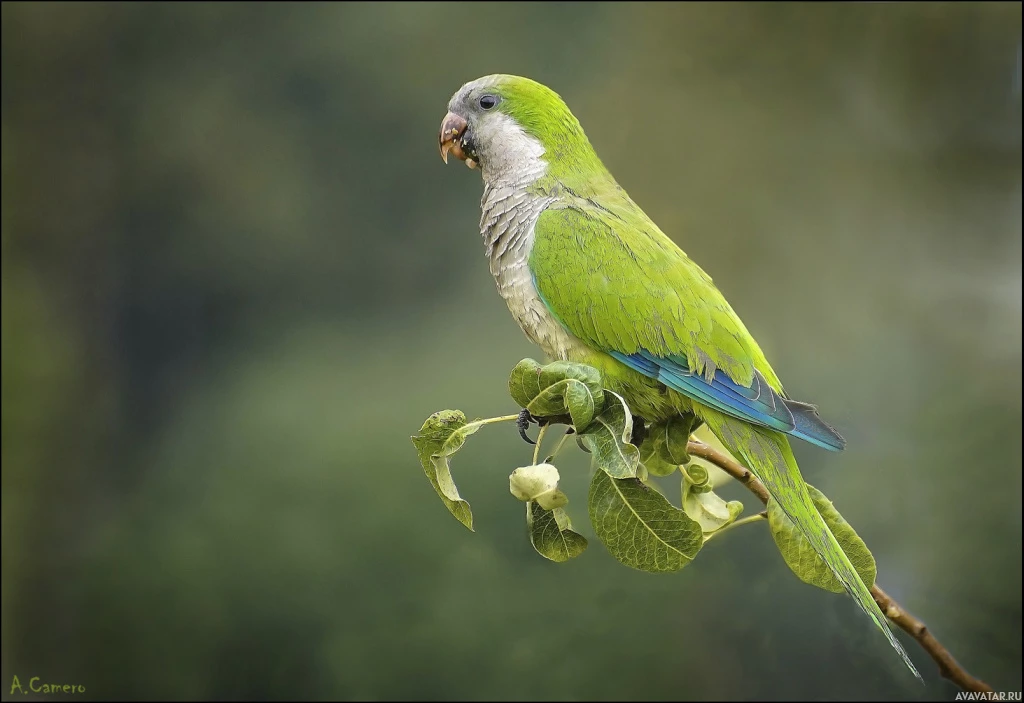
x=453, y=127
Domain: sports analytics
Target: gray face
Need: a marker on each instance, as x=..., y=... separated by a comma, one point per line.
x=475, y=98
x=476, y=102
x=479, y=132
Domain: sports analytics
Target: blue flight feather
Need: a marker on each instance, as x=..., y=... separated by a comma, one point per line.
x=758, y=405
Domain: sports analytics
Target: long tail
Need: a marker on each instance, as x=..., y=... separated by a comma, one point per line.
x=768, y=455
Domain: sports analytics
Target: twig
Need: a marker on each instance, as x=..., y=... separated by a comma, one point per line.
x=763, y=515
x=558, y=447
x=492, y=420
x=948, y=666
x=540, y=438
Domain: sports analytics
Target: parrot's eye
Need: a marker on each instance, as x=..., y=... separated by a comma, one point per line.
x=487, y=102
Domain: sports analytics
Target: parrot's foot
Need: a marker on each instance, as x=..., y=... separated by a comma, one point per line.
x=523, y=424
x=639, y=431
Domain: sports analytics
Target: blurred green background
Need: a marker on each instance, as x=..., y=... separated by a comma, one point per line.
x=237, y=277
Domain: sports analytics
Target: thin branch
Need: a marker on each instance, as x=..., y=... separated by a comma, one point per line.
x=561, y=443
x=948, y=666
x=763, y=515
x=492, y=420
x=540, y=438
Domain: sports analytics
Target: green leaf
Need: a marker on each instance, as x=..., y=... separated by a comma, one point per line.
x=701, y=502
x=524, y=382
x=458, y=438
x=607, y=439
x=707, y=507
x=580, y=401
x=566, y=395
x=650, y=456
x=587, y=375
x=442, y=435
x=664, y=448
x=696, y=476
x=538, y=483
x=559, y=388
x=640, y=527
x=551, y=533
x=800, y=555
x=674, y=436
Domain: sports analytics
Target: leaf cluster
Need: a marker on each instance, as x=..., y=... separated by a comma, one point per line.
x=630, y=516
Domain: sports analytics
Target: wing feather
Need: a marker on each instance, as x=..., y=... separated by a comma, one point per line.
x=638, y=297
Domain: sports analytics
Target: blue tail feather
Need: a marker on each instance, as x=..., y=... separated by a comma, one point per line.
x=759, y=404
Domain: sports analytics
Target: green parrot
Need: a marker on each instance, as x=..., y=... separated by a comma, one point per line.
x=591, y=279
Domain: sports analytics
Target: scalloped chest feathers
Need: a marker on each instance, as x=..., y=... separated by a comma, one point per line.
x=508, y=218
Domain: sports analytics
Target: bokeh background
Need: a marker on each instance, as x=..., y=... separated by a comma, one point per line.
x=237, y=277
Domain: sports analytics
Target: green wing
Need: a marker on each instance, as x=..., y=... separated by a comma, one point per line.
x=614, y=280
x=618, y=283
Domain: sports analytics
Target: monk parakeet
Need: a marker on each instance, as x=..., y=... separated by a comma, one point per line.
x=591, y=279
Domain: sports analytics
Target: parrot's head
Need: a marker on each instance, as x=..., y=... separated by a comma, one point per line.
x=513, y=128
